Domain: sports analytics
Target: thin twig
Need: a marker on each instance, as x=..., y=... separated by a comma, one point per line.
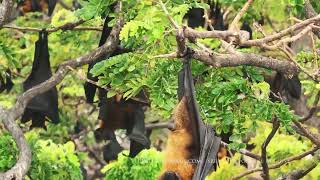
x=175, y=25
x=264, y=162
x=306, y=133
x=234, y=23
x=313, y=108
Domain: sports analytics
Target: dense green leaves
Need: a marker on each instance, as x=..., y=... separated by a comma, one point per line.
x=49, y=160
x=146, y=165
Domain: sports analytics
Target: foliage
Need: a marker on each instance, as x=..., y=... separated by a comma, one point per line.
x=8, y=152
x=49, y=160
x=227, y=168
x=146, y=165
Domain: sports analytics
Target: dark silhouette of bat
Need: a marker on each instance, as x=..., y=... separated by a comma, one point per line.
x=117, y=113
x=191, y=139
x=44, y=105
x=89, y=88
x=122, y=114
x=112, y=149
x=195, y=17
x=6, y=84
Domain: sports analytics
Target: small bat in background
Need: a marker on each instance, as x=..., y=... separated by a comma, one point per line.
x=6, y=84
x=192, y=146
x=45, y=104
x=26, y=6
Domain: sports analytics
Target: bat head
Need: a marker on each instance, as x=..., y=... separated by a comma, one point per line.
x=170, y=175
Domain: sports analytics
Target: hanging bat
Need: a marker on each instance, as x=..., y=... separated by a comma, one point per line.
x=122, y=114
x=6, y=84
x=192, y=146
x=44, y=105
x=89, y=88
x=195, y=17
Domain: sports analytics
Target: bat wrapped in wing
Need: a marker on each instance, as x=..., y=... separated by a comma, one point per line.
x=192, y=146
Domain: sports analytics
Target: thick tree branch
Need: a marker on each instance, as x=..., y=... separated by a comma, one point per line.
x=238, y=59
x=264, y=162
x=5, y=11
x=8, y=117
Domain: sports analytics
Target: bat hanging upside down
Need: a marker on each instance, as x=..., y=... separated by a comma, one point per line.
x=192, y=146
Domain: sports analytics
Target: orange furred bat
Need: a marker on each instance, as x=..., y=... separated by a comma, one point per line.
x=192, y=146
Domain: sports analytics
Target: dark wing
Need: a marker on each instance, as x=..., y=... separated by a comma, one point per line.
x=112, y=149
x=46, y=104
x=293, y=86
x=137, y=136
x=89, y=88
x=207, y=144
x=51, y=6
x=6, y=84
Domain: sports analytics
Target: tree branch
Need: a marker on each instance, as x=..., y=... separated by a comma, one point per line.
x=264, y=163
x=270, y=38
x=298, y=174
x=234, y=24
x=306, y=133
x=313, y=108
x=238, y=59
x=279, y=163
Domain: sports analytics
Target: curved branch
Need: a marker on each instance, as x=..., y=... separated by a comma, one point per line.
x=9, y=116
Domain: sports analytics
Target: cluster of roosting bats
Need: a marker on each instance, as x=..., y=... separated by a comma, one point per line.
x=190, y=139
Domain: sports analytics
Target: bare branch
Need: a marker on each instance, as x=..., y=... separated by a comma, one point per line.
x=306, y=133
x=264, y=163
x=175, y=25
x=245, y=152
x=193, y=34
x=169, y=125
x=270, y=38
x=231, y=60
x=234, y=24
